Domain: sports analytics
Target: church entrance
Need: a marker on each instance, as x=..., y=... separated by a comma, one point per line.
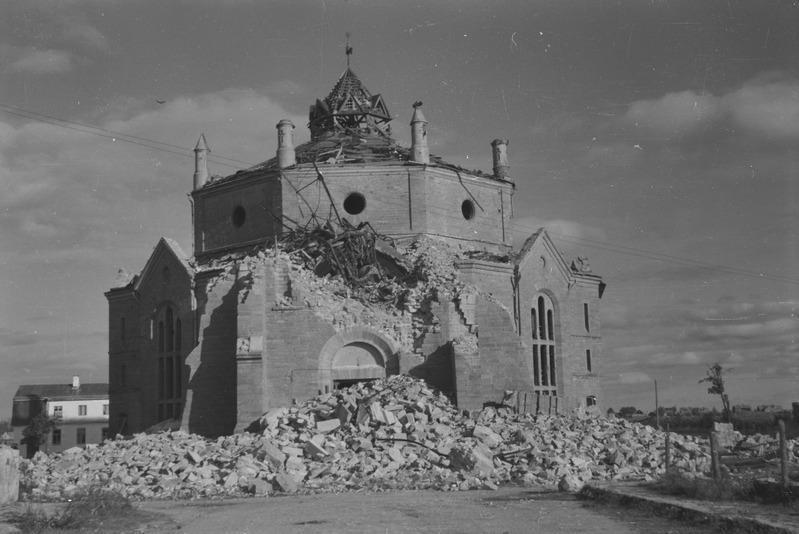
x=355, y=362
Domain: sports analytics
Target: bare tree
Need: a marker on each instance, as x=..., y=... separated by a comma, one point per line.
x=715, y=377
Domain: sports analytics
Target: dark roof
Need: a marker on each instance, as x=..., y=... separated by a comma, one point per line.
x=350, y=126
x=61, y=391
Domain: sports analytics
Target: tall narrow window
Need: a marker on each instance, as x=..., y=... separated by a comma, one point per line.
x=170, y=330
x=585, y=317
x=170, y=378
x=588, y=360
x=56, y=436
x=160, y=336
x=80, y=436
x=543, y=328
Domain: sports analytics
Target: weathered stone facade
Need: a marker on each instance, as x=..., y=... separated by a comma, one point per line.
x=239, y=328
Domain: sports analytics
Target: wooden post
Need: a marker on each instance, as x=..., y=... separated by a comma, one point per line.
x=714, y=457
x=668, y=448
x=9, y=475
x=783, y=454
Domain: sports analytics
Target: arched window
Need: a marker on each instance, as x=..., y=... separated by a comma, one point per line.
x=170, y=330
x=170, y=364
x=542, y=320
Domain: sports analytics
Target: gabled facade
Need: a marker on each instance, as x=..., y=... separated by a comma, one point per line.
x=249, y=337
x=80, y=409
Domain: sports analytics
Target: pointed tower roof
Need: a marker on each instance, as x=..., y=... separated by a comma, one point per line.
x=349, y=106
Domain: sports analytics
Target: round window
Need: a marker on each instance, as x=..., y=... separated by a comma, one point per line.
x=239, y=216
x=354, y=204
x=467, y=208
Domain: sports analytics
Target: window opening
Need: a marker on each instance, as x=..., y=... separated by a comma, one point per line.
x=467, y=209
x=81, y=409
x=355, y=203
x=588, y=360
x=239, y=216
x=542, y=321
x=80, y=436
x=590, y=401
x=585, y=317
x=56, y=436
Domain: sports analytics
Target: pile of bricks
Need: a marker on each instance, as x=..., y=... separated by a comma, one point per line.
x=388, y=434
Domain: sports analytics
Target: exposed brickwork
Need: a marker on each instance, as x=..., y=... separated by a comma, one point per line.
x=260, y=331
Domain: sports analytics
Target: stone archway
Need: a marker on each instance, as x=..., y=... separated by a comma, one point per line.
x=356, y=355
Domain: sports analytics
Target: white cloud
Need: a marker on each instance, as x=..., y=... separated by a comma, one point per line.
x=634, y=377
x=523, y=227
x=674, y=113
x=42, y=62
x=766, y=105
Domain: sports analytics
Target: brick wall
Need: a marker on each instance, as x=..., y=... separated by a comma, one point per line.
x=211, y=399
x=214, y=226
x=399, y=200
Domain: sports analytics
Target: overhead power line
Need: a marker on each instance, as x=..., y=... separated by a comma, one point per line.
x=238, y=164
x=118, y=136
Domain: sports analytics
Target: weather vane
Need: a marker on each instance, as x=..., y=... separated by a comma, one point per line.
x=348, y=50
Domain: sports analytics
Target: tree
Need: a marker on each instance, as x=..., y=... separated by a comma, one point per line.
x=5, y=426
x=715, y=377
x=35, y=434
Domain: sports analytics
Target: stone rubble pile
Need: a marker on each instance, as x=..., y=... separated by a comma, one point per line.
x=388, y=434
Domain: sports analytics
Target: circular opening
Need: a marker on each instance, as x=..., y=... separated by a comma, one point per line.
x=467, y=208
x=354, y=204
x=239, y=216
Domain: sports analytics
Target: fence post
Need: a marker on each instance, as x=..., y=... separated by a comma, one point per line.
x=783, y=454
x=668, y=448
x=714, y=457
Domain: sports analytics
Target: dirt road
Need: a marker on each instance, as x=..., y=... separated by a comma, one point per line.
x=509, y=510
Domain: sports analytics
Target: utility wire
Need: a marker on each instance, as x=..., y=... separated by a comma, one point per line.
x=222, y=160
x=117, y=136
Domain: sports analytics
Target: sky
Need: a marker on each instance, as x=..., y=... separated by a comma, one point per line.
x=659, y=139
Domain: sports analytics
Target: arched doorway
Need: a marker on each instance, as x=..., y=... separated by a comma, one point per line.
x=356, y=362
x=356, y=355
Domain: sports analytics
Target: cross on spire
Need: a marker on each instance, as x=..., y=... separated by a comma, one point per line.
x=348, y=50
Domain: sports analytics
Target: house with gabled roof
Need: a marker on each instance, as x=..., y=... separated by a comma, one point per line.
x=218, y=338
x=80, y=411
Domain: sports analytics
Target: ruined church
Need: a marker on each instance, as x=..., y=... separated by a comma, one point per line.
x=349, y=258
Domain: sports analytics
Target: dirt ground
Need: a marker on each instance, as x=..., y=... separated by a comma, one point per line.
x=508, y=510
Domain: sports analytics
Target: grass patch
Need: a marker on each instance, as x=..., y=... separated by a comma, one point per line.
x=706, y=489
x=89, y=509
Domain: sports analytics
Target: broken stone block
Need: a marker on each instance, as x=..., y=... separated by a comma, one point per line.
x=328, y=426
x=286, y=483
x=487, y=436
x=570, y=483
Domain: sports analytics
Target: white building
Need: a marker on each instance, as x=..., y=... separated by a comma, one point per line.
x=81, y=410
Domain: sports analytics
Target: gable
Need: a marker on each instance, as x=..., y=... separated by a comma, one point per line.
x=540, y=258
x=167, y=254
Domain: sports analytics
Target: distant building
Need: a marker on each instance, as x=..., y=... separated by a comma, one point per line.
x=82, y=411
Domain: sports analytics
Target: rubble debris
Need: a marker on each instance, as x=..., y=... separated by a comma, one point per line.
x=395, y=433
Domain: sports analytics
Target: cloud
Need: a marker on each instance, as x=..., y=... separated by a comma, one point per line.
x=523, y=227
x=42, y=62
x=673, y=114
x=767, y=105
x=15, y=338
x=634, y=377
x=79, y=30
